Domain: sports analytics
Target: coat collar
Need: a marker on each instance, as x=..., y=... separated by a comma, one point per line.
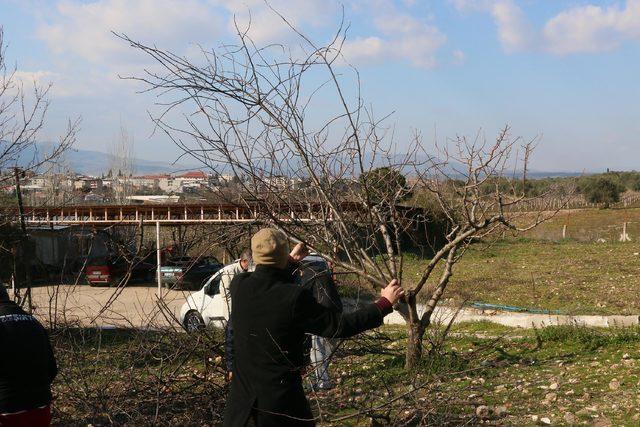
x=270, y=270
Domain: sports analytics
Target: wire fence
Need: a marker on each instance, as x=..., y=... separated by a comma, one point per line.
x=622, y=232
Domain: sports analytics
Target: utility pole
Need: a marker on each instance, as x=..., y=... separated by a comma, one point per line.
x=24, y=246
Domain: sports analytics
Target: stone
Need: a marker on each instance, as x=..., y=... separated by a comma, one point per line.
x=550, y=397
x=545, y=420
x=500, y=410
x=483, y=412
x=553, y=386
x=569, y=418
x=614, y=384
x=602, y=422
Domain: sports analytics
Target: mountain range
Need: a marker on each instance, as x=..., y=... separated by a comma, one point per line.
x=96, y=163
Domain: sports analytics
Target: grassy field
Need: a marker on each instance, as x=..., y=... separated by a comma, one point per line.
x=589, y=225
x=570, y=276
x=567, y=375
x=480, y=374
x=134, y=377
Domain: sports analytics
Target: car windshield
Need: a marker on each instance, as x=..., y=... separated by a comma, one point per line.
x=211, y=280
x=209, y=260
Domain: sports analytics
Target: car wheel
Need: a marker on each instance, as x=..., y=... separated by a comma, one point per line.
x=193, y=321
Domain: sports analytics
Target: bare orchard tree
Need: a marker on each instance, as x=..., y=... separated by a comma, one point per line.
x=332, y=180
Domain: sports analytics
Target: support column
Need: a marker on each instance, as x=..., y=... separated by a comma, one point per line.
x=158, y=259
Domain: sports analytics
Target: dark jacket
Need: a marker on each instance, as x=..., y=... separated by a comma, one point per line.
x=270, y=317
x=27, y=364
x=315, y=274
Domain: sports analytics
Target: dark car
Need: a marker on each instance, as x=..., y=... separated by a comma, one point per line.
x=110, y=271
x=188, y=272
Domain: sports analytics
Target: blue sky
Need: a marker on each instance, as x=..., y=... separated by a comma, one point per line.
x=564, y=71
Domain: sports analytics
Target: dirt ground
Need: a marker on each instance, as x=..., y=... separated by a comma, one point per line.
x=135, y=306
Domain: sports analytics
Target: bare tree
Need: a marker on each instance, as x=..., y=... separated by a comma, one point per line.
x=122, y=165
x=22, y=117
x=253, y=112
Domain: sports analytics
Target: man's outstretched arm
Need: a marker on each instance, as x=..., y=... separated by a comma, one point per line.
x=319, y=320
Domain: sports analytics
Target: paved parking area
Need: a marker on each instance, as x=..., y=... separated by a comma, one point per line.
x=134, y=306
x=140, y=307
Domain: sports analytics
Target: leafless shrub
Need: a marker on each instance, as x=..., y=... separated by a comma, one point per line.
x=137, y=377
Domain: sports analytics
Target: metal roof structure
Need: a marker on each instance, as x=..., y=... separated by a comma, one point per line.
x=171, y=214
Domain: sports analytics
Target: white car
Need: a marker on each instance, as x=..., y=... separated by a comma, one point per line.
x=204, y=307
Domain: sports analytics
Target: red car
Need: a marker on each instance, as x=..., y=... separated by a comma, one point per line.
x=110, y=272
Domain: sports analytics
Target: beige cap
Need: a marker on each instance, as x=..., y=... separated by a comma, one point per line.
x=270, y=247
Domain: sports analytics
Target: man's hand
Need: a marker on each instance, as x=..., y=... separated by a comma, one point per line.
x=393, y=292
x=299, y=252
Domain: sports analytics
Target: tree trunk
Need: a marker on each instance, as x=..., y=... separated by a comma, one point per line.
x=414, y=345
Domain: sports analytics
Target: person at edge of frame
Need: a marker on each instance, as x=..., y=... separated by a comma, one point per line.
x=27, y=367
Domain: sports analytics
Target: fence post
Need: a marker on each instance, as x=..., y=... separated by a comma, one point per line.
x=624, y=237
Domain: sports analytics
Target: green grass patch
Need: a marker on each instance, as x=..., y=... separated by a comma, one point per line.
x=569, y=276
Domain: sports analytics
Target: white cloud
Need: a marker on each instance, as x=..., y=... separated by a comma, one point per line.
x=581, y=29
x=514, y=31
x=84, y=29
x=364, y=50
x=396, y=35
x=265, y=26
x=40, y=78
x=60, y=84
x=402, y=36
x=592, y=28
x=87, y=58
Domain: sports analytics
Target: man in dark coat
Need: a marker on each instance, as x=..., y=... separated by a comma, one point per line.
x=271, y=316
x=27, y=367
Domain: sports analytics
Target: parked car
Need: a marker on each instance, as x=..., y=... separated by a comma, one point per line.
x=205, y=307
x=110, y=271
x=188, y=272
